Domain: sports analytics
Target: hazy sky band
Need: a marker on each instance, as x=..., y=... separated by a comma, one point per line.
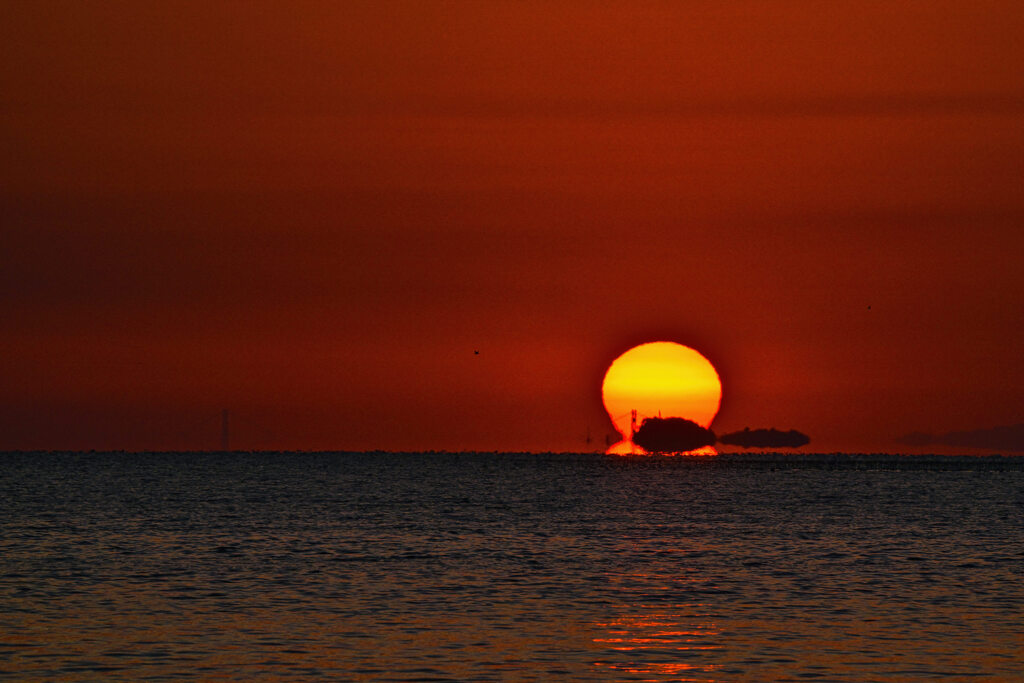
x=314, y=213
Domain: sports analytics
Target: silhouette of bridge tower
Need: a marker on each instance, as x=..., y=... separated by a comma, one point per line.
x=225, y=440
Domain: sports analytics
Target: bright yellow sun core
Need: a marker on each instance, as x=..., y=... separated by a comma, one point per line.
x=660, y=378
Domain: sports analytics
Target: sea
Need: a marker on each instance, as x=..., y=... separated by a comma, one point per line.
x=506, y=566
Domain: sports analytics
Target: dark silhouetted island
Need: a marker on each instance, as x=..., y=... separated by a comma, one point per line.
x=672, y=435
x=765, y=438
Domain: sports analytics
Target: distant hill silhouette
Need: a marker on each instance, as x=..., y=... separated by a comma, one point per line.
x=672, y=435
x=765, y=438
x=1005, y=438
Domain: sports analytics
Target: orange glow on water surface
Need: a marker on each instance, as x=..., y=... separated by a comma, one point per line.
x=660, y=644
x=660, y=379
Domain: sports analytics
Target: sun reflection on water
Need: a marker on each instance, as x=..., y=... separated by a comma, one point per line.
x=654, y=639
x=658, y=643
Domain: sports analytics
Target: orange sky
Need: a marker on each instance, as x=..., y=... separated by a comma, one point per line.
x=314, y=213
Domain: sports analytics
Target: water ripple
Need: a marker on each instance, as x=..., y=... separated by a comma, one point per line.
x=439, y=567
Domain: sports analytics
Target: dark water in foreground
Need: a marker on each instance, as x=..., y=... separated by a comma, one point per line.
x=516, y=567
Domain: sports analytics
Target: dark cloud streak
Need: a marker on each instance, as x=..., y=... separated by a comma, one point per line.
x=1004, y=438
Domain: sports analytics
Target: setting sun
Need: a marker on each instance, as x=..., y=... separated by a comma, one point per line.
x=660, y=379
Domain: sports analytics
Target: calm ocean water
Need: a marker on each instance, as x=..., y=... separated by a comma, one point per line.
x=518, y=567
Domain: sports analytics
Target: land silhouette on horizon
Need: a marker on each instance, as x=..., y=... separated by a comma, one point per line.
x=672, y=434
x=677, y=434
x=765, y=438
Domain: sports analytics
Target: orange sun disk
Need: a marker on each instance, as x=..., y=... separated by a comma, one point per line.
x=660, y=379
